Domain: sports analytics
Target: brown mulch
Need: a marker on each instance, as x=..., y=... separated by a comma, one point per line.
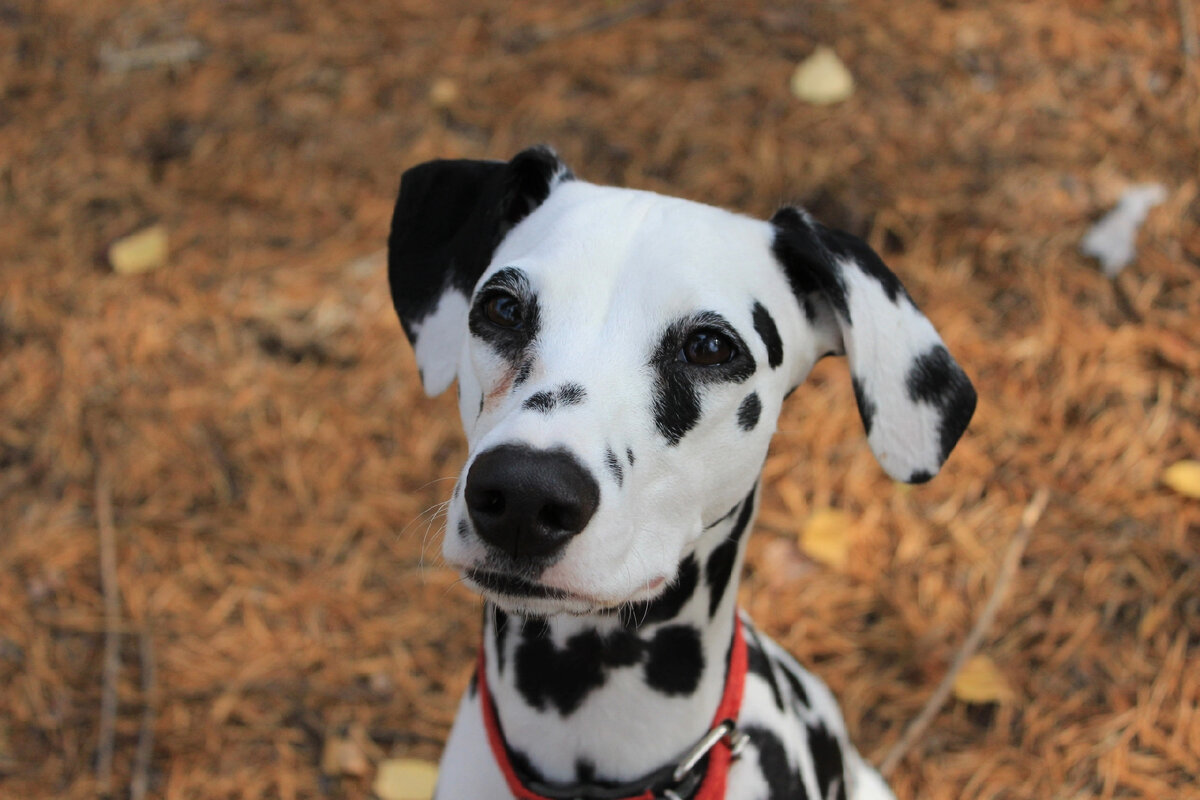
x=252, y=412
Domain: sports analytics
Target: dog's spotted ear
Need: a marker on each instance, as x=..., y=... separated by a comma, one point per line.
x=914, y=400
x=449, y=218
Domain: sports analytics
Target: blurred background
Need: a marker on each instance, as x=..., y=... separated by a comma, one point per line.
x=216, y=458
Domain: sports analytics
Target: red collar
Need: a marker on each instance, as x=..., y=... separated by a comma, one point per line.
x=721, y=754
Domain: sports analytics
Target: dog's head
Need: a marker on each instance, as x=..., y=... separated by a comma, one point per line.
x=622, y=358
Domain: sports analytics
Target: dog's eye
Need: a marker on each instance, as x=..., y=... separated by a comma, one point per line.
x=503, y=311
x=707, y=349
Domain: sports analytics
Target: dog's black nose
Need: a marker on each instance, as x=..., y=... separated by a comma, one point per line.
x=529, y=503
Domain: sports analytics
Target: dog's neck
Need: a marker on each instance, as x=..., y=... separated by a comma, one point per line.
x=613, y=697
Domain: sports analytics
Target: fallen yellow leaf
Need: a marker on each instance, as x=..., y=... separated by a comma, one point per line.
x=826, y=536
x=1184, y=477
x=981, y=682
x=822, y=78
x=139, y=252
x=405, y=779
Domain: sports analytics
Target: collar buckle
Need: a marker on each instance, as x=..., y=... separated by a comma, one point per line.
x=724, y=730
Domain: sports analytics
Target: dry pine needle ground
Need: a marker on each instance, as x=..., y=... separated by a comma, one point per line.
x=274, y=471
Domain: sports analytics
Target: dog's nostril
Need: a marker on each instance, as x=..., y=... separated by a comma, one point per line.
x=556, y=517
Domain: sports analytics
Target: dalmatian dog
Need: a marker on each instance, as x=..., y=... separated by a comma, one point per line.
x=621, y=359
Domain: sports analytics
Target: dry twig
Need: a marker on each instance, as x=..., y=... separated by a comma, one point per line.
x=168, y=54
x=140, y=781
x=1008, y=568
x=1190, y=39
x=536, y=38
x=112, y=634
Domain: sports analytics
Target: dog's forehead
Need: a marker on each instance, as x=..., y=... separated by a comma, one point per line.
x=599, y=250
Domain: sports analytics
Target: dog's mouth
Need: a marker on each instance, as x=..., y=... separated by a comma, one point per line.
x=515, y=586
x=517, y=594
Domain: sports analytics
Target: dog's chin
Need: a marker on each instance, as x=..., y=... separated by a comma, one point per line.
x=523, y=597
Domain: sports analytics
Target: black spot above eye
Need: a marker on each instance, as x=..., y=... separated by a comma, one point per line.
x=765, y=326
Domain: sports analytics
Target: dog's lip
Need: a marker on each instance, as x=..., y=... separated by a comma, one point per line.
x=504, y=584
x=515, y=586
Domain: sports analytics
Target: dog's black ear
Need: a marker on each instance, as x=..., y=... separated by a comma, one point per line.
x=449, y=218
x=914, y=399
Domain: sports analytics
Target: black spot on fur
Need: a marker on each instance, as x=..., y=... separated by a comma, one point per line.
x=749, y=412
x=765, y=326
x=622, y=649
x=564, y=678
x=614, y=466
x=827, y=759
x=473, y=684
x=571, y=394
x=668, y=604
x=674, y=660
x=758, y=663
x=463, y=530
x=799, y=695
x=523, y=371
x=629, y=455
x=783, y=782
x=920, y=476
x=718, y=570
x=585, y=771
x=866, y=406
x=540, y=401
x=676, y=401
x=676, y=405
x=936, y=379
x=500, y=632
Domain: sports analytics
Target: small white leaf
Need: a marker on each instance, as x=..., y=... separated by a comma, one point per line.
x=822, y=79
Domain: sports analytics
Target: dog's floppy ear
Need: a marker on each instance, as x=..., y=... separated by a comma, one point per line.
x=449, y=218
x=914, y=400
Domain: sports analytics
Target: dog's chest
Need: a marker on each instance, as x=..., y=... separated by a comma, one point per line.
x=797, y=741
